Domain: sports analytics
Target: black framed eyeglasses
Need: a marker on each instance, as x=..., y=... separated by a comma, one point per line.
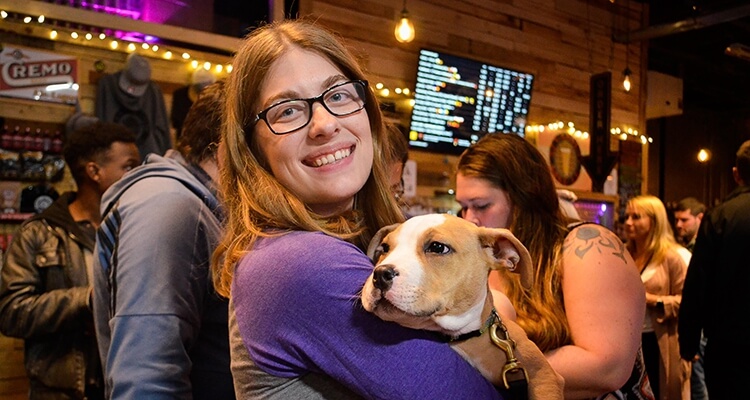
x=287, y=116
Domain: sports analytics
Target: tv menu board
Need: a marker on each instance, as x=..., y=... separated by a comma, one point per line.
x=458, y=100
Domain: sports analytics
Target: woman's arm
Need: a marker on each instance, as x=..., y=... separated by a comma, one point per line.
x=298, y=311
x=675, y=269
x=604, y=303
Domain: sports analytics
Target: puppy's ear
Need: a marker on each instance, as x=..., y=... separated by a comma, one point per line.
x=509, y=253
x=372, y=248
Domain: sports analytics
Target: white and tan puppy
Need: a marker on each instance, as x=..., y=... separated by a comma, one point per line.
x=431, y=273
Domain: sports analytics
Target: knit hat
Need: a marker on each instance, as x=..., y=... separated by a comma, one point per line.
x=77, y=121
x=136, y=75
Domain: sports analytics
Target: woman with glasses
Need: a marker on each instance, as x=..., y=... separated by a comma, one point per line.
x=305, y=185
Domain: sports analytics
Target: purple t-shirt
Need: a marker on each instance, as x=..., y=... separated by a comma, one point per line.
x=297, y=306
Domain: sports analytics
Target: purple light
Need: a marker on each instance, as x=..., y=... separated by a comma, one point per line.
x=604, y=207
x=113, y=10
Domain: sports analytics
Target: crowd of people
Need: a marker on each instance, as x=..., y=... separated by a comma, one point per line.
x=231, y=265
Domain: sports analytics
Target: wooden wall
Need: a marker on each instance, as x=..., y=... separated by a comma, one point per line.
x=561, y=42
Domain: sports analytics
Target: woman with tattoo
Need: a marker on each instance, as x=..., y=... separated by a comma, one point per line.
x=585, y=307
x=663, y=266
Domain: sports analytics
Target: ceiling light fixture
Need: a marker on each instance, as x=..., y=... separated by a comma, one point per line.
x=626, y=81
x=738, y=50
x=405, y=28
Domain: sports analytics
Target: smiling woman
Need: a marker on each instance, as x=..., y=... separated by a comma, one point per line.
x=305, y=190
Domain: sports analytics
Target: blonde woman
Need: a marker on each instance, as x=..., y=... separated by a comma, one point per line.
x=662, y=264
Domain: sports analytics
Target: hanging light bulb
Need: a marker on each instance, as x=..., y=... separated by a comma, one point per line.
x=405, y=28
x=626, y=81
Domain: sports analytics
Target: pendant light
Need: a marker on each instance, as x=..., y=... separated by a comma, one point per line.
x=627, y=72
x=626, y=81
x=405, y=28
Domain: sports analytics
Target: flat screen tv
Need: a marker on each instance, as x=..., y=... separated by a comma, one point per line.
x=458, y=100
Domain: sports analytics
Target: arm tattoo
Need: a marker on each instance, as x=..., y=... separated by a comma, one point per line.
x=585, y=239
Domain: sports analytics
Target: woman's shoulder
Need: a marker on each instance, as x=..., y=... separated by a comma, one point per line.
x=301, y=243
x=590, y=235
x=594, y=245
x=679, y=253
x=302, y=251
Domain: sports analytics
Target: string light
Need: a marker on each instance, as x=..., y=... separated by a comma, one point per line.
x=622, y=133
x=113, y=44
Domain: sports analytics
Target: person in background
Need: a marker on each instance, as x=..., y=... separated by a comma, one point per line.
x=567, y=204
x=662, y=264
x=162, y=330
x=303, y=158
x=184, y=97
x=46, y=280
x=687, y=216
x=715, y=296
x=397, y=154
x=585, y=307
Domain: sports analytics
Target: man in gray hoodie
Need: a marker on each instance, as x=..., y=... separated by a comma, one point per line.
x=162, y=330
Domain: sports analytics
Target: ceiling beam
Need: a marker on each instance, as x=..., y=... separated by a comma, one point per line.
x=226, y=44
x=689, y=24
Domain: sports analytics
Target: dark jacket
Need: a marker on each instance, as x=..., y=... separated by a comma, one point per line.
x=715, y=295
x=44, y=299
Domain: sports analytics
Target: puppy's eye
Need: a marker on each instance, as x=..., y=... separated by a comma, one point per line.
x=438, y=248
x=379, y=252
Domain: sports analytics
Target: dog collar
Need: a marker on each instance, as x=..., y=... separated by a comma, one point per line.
x=485, y=327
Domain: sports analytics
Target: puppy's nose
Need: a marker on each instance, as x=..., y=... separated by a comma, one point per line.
x=382, y=277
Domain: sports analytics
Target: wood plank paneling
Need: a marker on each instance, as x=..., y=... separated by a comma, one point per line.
x=561, y=42
x=13, y=382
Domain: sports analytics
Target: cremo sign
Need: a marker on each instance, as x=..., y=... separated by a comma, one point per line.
x=38, y=75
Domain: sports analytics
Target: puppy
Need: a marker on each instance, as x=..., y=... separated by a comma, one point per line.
x=431, y=273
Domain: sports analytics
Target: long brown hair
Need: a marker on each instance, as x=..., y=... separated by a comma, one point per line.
x=256, y=203
x=515, y=166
